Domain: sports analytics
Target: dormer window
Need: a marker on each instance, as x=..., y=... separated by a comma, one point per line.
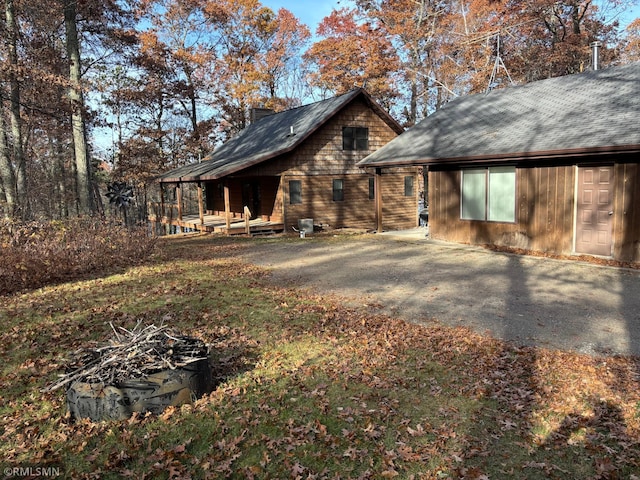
x=355, y=138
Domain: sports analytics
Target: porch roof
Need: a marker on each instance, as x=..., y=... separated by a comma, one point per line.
x=591, y=113
x=270, y=137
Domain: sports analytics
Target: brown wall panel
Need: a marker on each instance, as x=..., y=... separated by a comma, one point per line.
x=544, y=215
x=626, y=233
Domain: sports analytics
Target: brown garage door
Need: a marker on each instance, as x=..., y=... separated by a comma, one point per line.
x=595, y=210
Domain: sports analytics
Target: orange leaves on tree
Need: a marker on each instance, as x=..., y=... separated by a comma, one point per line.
x=353, y=53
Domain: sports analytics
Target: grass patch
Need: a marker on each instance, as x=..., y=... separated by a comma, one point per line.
x=307, y=387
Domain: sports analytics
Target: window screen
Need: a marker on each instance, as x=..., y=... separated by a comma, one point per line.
x=372, y=188
x=474, y=194
x=502, y=194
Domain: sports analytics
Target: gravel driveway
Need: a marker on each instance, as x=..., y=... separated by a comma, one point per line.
x=552, y=303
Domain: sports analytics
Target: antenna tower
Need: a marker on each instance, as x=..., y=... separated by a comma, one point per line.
x=497, y=64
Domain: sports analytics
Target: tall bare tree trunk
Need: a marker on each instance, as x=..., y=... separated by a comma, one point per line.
x=21, y=198
x=82, y=160
x=62, y=209
x=7, y=175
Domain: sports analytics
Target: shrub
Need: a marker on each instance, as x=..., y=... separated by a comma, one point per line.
x=35, y=254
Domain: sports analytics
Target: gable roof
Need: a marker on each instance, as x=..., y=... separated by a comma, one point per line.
x=595, y=112
x=270, y=137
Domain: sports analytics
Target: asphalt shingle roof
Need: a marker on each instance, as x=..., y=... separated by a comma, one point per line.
x=583, y=113
x=267, y=138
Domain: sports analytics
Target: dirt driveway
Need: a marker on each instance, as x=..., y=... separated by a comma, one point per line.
x=553, y=303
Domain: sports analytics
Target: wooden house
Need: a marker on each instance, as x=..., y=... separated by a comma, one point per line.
x=550, y=166
x=300, y=165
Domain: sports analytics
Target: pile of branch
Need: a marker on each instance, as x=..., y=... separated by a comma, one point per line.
x=132, y=354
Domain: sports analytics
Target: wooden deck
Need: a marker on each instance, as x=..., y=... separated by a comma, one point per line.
x=217, y=224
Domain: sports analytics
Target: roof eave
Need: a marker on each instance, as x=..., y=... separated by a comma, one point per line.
x=509, y=157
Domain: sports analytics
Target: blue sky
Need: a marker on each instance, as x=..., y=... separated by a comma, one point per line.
x=312, y=12
x=630, y=15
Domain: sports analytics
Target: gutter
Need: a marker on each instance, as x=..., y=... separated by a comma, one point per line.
x=514, y=157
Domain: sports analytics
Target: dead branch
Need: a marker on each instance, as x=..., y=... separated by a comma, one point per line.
x=132, y=354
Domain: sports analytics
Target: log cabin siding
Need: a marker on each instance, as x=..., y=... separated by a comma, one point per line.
x=399, y=212
x=357, y=210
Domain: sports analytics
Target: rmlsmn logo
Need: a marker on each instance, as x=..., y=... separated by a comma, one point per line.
x=32, y=472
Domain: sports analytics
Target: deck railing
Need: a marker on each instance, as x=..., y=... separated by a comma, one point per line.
x=163, y=210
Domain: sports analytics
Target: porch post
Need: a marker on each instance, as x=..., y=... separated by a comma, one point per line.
x=179, y=200
x=284, y=187
x=247, y=220
x=162, y=215
x=377, y=186
x=227, y=206
x=200, y=204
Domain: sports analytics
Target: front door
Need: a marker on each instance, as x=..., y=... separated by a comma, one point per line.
x=595, y=210
x=251, y=198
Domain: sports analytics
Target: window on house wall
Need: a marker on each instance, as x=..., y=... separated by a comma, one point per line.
x=489, y=194
x=372, y=188
x=338, y=190
x=295, y=192
x=220, y=190
x=355, y=138
x=408, y=186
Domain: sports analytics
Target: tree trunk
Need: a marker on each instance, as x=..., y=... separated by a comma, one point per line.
x=82, y=161
x=21, y=194
x=7, y=176
x=59, y=171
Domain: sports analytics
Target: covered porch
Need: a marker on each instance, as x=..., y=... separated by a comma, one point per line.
x=169, y=214
x=230, y=206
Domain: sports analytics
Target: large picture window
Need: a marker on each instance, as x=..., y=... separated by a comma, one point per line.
x=355, y=138
x=489, y=194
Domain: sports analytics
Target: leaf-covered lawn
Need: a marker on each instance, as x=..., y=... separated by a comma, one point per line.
x=307, y=387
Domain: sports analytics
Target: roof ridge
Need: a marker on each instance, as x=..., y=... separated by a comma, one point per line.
x=350, y=92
